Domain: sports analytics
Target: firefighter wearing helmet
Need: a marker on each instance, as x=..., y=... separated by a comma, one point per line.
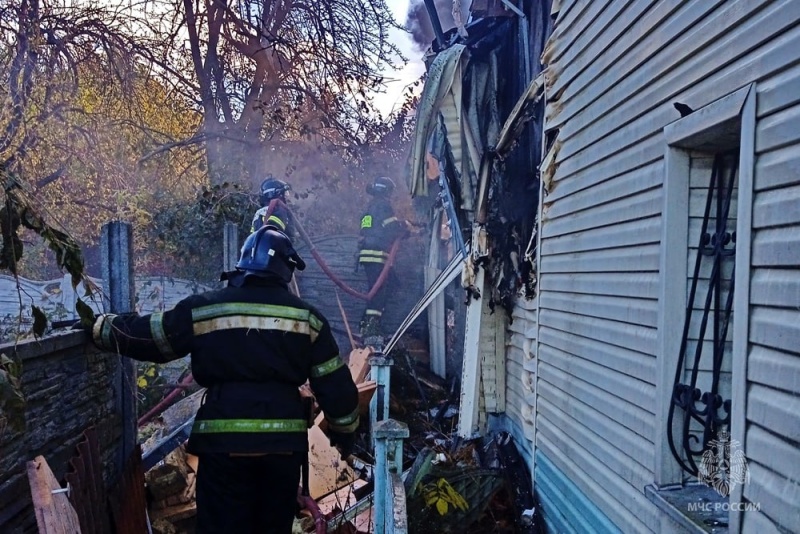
x=252, y=345
x=280, y=217
x=379, y=229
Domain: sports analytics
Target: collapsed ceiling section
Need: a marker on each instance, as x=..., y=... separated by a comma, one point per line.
x=478, y=140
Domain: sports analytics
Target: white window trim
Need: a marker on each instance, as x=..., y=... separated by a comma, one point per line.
x=691, y=132
x=741, y=298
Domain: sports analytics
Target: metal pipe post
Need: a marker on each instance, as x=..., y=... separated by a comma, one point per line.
x=388, y=434
x=436, y=24
x=380, y=372
x=380, y=482
x=116, y=245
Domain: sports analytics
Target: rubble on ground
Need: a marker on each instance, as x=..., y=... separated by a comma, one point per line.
x=450, y=483
x=171, y=491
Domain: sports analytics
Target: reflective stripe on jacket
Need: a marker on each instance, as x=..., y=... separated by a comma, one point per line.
x=252, y=347
x=379, y=229
x=280, y=217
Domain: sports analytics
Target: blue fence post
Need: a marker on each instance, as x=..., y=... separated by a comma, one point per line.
x=380, y=372
x=388, y=435
x=116, y=245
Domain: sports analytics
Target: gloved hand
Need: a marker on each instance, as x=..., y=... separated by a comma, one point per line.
x=345, y=442
x=80, y=325
x=88, y=327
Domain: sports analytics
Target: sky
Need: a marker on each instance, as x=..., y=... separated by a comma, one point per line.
x=398, y=80
x=413, y=44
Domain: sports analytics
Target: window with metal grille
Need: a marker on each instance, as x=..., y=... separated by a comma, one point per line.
x=701, y=391
x=703, y=313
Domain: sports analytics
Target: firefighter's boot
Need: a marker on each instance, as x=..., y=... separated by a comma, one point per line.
x=371, y=331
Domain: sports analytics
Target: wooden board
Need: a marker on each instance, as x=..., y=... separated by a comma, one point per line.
x=364, y=523
x=54, y=513
x=327, y=471
x=365, y=392
x=358, y=364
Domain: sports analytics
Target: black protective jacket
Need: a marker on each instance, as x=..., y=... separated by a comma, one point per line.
x=252, y=347
x=280, y=217
x=379, y=229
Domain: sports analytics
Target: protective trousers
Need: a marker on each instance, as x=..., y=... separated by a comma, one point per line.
x=247, y=494
x=371, y=321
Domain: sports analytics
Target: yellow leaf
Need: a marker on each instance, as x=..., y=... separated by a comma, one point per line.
x=456, y=499
x=442, y=494
x=460, y=503
x=430, y=497
x=141, y=382
x=150, y=371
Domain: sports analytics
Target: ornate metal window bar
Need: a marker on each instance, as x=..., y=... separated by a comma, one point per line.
x=717, y=246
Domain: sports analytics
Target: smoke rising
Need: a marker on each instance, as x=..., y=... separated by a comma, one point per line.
x=419, y=23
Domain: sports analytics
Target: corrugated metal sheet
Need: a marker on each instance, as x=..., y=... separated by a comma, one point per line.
x=128, y=499
x=85, y=477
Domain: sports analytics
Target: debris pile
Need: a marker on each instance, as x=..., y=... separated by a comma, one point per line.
x=334, y=484
x=452, y=485
x=449, y=487
x=171, y=491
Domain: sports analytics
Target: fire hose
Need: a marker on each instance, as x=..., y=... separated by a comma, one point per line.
x=324, y=266
x=164, y=403
x=320, y=526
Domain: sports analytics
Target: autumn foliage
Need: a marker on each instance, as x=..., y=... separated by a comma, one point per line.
x=168, y=114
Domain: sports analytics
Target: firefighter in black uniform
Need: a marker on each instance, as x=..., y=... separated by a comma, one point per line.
x=252, y=345
x=379, y=229
x=280, y=217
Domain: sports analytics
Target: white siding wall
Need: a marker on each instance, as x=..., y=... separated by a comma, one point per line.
x=615, y=68
x=521, y=369
x=772, y=441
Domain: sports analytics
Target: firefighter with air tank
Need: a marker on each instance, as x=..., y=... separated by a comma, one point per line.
x=379, y=230
x=252, y=344
x=280, y=216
